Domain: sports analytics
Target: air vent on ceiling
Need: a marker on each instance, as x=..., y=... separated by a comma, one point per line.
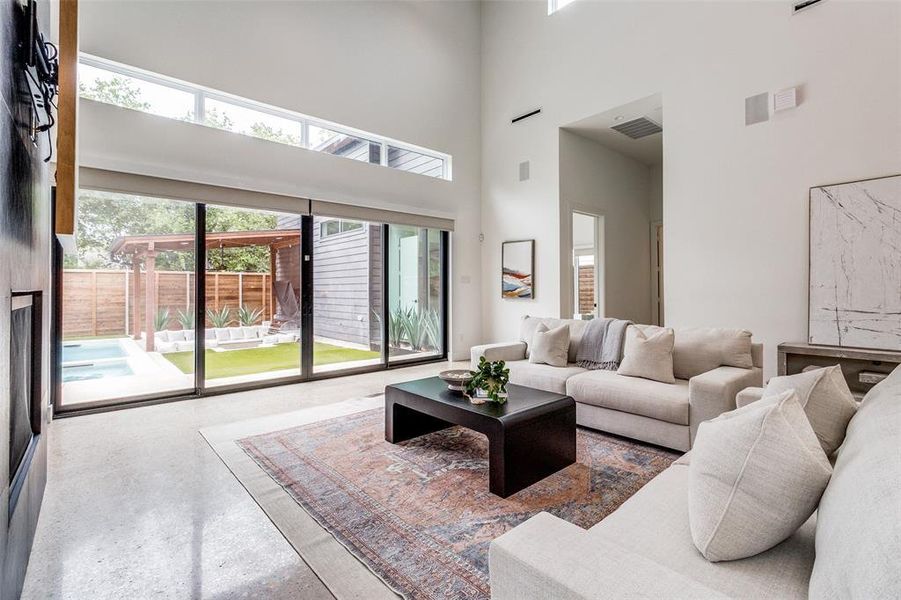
x=638, y=128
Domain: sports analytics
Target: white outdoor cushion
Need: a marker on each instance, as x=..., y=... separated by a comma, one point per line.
x=648, y=356
x=189, y=335
x=222, y=334
x=176, y=336
x=184, y=346
x=826, y=399
x=160, y=337
x=858, y=541
x=550, y=346
x=542, y=377
x=285, y=338
x=249, y=333
x=698, y=350
x=236, y=333
x=756, y=475
x=608, y=389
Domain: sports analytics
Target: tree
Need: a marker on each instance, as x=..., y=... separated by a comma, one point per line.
x=102, y=217
x=116, y=90
x=213, y=118
x=267, y=132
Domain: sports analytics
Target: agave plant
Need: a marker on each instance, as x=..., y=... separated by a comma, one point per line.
x=161, y=319
x=431, y=325
x=248, y=316
x=396, y=329
x=413, y=327
x=185, y=319
x=219, y=318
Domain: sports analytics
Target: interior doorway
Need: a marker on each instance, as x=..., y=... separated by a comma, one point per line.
x=611, y=213
x=588, y=265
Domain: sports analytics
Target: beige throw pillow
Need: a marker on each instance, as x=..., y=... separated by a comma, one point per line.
x=703, y=349
x=648, y=356
x=756, y=474
x=826, y=399
x=550, y=346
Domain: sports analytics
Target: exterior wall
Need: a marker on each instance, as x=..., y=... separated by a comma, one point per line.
x=341, y=284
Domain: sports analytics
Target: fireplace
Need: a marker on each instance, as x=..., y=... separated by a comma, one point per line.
x=24, y=386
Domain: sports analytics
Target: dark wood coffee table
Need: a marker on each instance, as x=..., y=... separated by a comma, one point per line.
x=530, y=436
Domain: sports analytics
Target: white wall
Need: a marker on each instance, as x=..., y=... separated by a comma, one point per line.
x=406, y=70
x=600, y=181
x=735, y=197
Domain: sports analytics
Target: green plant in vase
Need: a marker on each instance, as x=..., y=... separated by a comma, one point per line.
x=492, y=378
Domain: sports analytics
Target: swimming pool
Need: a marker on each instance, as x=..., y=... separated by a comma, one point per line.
x=92, y=350
x=98, y=370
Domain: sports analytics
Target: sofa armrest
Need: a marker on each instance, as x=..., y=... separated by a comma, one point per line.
x=747, y=396
x=712, y=393
x=546, y=557
x=505, y=351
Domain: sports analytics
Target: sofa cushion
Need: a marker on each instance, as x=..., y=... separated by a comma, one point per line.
x=826, y=399
x=607, y=389
x=756, y=475
x=249, y=333
x=698, y=350
x=648, y=357
x=176, y=336
x=576, y=328
x=542, y=377
x=189, y=335
x=236, y=333
x=858, y=541
x=550, y=346
x=654, y=523
x=223, y=334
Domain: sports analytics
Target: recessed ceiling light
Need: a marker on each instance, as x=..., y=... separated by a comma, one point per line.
x=618, y=118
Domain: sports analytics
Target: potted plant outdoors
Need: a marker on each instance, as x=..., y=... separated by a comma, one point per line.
x=490, y=378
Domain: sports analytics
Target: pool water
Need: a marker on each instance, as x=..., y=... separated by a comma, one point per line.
x=99, y=350
x=107, y=368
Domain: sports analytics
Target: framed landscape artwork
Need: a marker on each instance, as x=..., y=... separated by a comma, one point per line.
x=517, y=268
x=855, y=264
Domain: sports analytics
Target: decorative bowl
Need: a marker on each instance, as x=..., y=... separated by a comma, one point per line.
x=455, y=379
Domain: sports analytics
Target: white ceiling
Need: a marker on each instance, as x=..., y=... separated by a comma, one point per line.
x=648, y=150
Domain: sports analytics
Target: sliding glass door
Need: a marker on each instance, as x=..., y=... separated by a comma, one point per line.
x=347, y=294
x=127, y=300
x=415, y=293
x=253, y=304
x=168, y=298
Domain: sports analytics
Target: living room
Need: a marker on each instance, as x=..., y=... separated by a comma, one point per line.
x=256, y=253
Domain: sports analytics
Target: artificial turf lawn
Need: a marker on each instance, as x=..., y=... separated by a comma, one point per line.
x=248, y=361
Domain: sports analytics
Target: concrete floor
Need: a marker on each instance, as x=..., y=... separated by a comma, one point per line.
x=138, y=506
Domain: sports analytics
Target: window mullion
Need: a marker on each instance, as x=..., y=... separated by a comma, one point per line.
x=199, y=107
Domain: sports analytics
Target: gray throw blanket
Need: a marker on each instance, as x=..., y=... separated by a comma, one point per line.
x=602, y=344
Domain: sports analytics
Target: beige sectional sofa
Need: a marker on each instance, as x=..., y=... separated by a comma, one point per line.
x=848, y=549
x=666, y=414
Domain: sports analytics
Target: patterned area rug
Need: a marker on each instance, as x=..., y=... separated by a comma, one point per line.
x=419, y=513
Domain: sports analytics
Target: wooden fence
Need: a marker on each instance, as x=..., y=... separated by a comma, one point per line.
x=102, y=303
x=586, y=289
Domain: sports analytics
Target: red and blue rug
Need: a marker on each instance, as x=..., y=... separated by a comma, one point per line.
x=419, y=513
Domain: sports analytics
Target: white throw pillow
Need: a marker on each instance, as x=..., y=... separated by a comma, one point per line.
x=222, y=334
x=826, y=399
x=550, y=346
x=249, y=333
x=648, y=356
x=756, y=474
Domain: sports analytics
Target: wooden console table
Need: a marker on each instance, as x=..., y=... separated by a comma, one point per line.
x=862, y=368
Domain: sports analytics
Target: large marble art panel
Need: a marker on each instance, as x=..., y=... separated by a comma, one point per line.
x=855, y=264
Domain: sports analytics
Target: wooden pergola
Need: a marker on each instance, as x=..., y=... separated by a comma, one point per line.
x=145, y=248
